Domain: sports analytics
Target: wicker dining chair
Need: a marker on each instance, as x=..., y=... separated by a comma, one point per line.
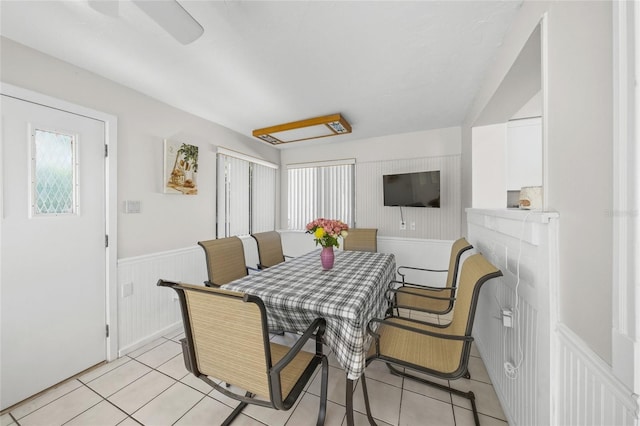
x=443, y=352
x=269, y=249
x=434, y=300
x=362, y=239
x=225, y=260
x=226, y=338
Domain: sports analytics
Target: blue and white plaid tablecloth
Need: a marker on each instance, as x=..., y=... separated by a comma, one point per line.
x=298, y=291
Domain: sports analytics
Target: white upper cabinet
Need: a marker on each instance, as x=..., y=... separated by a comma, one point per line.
x=524, y=153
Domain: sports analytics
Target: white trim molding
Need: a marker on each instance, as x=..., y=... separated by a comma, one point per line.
x=245, y=157
x=626, y=198
x=329, y=163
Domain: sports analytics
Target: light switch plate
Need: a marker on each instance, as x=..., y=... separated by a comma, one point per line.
x=132, y=206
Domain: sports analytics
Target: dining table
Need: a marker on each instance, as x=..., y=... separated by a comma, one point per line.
x=347, y=296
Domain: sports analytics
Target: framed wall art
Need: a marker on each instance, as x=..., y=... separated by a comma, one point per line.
x=180, y=168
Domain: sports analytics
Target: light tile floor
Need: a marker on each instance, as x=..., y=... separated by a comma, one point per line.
x=152, y=387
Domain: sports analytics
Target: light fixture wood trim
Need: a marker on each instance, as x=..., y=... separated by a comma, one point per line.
x=300, y=124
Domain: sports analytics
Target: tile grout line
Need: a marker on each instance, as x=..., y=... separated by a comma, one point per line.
x=105, y=400
x=163, y=340
x=192, y=407
x=401, y=399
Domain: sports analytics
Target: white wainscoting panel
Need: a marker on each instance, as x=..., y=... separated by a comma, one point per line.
x=430, y=223
x=559, y=381
x=151, y=311
x=522, y=245
x=420, y=253
x=587, y=392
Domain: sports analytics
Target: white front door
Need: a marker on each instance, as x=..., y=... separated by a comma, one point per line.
x=52, y=256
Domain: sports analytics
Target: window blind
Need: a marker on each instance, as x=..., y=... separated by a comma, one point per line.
x=263, y=198
x=246, y=194
x=320, y=191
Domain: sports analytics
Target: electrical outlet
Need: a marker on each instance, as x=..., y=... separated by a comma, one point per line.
x=127, y=289
x=403, y=226
x=413, y=226
x=507, y=318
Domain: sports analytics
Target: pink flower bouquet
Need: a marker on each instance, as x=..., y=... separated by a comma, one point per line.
x=327, y=231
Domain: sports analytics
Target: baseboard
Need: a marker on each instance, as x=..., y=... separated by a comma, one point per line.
x=148, y=339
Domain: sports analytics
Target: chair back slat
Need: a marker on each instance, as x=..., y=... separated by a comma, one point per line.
x=269, y=248
x=362, y=239
x=459, y=246
x=224, y=329
x=225, y=259
x=476, y=270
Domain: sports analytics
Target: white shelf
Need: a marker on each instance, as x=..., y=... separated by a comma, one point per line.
x=533, y=216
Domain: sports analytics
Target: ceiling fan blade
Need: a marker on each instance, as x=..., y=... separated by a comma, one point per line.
x=171, y=16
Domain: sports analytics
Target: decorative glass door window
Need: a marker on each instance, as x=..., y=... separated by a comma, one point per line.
x=53, y=173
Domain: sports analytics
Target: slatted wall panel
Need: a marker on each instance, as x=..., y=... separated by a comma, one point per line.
x=442, y=223
x=151, y=311
x=587, y=393
x=518, y=392
x=525, y=395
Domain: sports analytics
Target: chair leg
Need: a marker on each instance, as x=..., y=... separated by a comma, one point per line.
x=322, y=411
x=472, y=398
x=234, y=414
x=469, y=395
x=349, y=401
x=236, y=411
x=366, y=400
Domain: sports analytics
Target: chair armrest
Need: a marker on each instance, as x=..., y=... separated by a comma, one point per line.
x=426, y=296
x=413, y=268
x=319, y=324
x=417, y=330
x=425, y=287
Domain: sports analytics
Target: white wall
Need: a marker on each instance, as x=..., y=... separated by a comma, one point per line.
x=166, y=221
x=488, y=166
x=580, y=159
x=578, y=125
x=428, y=150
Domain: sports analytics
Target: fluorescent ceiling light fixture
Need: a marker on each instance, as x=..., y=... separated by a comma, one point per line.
x=311, y=128
x=173, y=18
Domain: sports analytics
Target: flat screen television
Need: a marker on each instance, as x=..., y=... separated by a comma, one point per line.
x=420, y=189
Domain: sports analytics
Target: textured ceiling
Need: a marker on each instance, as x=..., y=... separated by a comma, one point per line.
x=388, y=67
